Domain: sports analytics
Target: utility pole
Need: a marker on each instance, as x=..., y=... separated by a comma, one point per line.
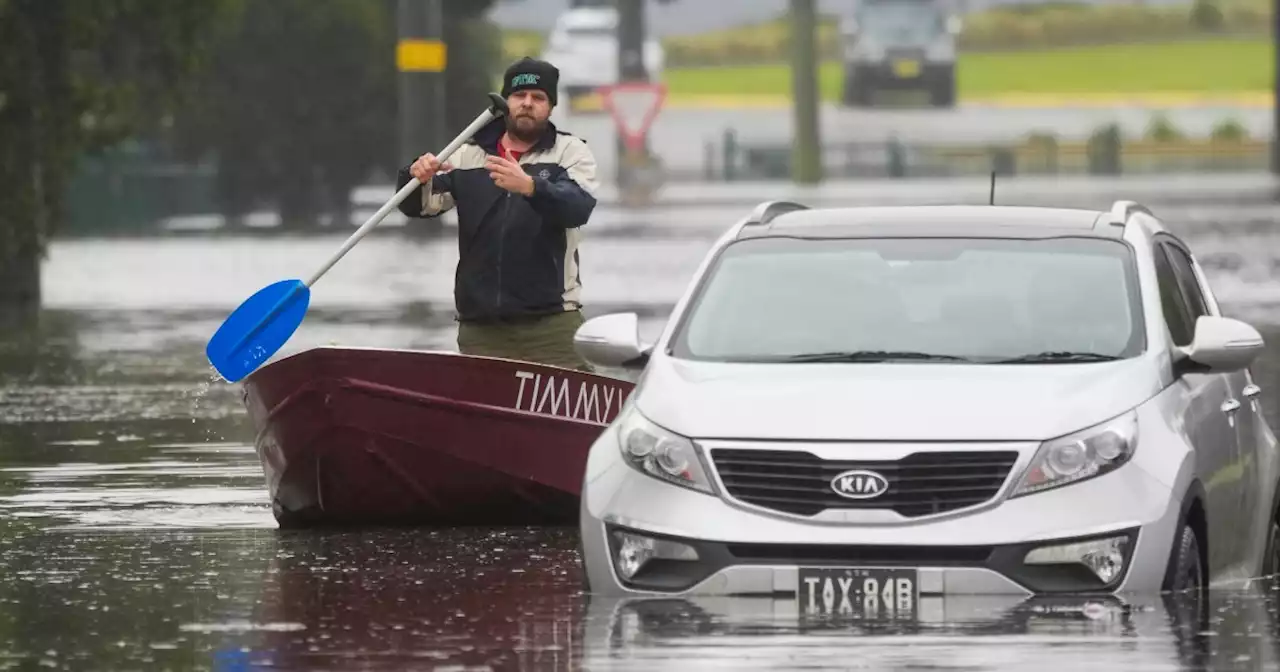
x=631, y=36
x=420, y=60
x=806, y=156
x=1275, y=102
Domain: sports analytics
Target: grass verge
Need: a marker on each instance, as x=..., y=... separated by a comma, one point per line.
x=1205, y=68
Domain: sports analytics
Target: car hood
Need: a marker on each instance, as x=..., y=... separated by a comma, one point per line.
x=890, y=402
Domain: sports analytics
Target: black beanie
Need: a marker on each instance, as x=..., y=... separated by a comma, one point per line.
x=531, y=73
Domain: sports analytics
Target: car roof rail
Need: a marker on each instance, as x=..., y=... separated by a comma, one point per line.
x=767, y=211
x=1120, y=211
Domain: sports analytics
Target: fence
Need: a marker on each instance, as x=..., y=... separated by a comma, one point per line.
x=731, y=160
x=130, y=188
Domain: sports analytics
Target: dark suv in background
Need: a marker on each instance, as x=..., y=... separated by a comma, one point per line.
x=899, y=44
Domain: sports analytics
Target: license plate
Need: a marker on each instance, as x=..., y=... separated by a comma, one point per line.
x=906, y=68
x=870, y=592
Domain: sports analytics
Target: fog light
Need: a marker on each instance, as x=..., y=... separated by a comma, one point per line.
x=635, y=551
x=1103, y=557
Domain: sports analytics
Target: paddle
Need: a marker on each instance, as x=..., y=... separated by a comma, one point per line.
x=256, y=329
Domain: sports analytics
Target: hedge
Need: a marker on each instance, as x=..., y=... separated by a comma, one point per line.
x=1015, y=28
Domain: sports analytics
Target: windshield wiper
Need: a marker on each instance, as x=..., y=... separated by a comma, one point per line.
x=1058, y=356
x=872, y=356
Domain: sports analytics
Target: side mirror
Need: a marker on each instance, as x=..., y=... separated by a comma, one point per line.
x=612, y=341
x=1223, y=345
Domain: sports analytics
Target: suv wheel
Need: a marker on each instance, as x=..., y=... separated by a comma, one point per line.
x=1186, y=571
x=943, y=91
x=582, y=567
x=1271, y=559
x=854, y=92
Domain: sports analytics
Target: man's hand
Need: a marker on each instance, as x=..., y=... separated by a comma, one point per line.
x=427, y=166
x=509, y=175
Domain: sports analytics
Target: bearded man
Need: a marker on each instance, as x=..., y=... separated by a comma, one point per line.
x=523, y=190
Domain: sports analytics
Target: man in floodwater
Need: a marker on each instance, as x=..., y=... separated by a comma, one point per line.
x=523, y=190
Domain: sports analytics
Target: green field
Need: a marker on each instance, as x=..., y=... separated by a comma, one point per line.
x=1191, y=67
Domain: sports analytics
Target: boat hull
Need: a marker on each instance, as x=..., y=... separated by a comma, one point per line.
x=365, y=435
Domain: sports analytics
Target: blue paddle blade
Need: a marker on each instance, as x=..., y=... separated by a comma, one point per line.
x=255, y=330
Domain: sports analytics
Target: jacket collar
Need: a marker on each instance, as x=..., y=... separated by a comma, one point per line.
x=491, y=133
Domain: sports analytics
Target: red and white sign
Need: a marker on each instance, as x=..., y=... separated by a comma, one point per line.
x=634, y=106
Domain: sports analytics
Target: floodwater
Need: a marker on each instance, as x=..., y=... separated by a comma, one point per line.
x=135, y=531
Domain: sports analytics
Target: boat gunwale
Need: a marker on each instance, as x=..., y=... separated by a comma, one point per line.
x=330, y=384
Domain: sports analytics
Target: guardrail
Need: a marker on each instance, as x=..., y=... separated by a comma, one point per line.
x=731, y=159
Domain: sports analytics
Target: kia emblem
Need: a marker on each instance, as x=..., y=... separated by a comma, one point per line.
x=859, y=484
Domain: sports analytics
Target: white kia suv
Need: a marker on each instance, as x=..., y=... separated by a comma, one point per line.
x=872, y=406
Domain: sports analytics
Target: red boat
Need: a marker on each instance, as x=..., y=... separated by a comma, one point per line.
x=365, y=435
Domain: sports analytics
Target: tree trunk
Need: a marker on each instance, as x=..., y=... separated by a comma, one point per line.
x=24, y=204
x=20, y=286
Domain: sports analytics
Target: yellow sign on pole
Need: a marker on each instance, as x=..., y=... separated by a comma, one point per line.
x=421, y=56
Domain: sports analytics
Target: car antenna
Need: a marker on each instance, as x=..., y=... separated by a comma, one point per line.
x=993, y=187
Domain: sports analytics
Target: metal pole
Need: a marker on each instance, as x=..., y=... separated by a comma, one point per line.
x=1275, y=102
x=420, y=60
x=631, y=36
x=806, y=164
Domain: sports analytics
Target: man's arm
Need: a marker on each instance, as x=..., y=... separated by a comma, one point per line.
x=569, y=199
x=429, y=200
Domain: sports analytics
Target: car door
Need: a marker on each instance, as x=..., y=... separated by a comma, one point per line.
x=1208, y=416
x=1244, y=397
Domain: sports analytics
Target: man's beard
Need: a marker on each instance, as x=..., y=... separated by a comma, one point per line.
x=529, y=133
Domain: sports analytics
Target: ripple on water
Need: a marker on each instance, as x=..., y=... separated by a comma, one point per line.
x=115, y=403
x=241, y=626
x=174, y=485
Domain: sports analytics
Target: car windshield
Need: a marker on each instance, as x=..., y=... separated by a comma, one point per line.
x=918, y=299
x=900, y=20
x=591, y=31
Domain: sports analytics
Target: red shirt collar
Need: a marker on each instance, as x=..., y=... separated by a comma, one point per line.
x=506, y=153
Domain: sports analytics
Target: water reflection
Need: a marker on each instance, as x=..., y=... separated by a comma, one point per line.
x=509, y=599
x=1232, y=632
x=506, y=599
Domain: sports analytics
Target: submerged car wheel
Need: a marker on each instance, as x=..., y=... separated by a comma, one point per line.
x=1187, y=600
x=582, y=567
x=1187, y=570
x=1271, y=560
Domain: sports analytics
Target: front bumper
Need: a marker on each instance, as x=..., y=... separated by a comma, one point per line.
x=742, y=551
x=903, y=74
x=760, y=569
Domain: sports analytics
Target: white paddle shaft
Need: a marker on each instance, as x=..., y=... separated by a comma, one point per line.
x=484, y=118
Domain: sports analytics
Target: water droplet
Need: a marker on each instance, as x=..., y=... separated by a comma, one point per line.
x=198, y=396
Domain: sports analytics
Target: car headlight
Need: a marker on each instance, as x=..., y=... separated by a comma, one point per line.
x=1082, y=455
x=662, y=454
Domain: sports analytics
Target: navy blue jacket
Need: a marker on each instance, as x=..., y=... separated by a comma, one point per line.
x=517, y=255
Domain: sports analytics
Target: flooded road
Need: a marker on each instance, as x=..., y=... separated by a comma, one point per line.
x=135, y=532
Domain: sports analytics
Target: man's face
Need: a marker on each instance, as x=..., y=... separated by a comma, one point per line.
x=529, y=111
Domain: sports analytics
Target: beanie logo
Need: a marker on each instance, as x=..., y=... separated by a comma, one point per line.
x=527, y=79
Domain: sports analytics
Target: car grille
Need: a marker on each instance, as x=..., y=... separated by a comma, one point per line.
x=912, y=53
x=828, y=554
x=920, y=484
